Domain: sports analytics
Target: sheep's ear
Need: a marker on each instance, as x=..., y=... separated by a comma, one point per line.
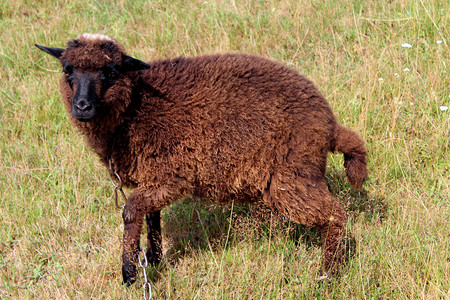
x=56, y=52
x=130, y=64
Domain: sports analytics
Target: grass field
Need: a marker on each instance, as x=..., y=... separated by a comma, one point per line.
x=382, y=65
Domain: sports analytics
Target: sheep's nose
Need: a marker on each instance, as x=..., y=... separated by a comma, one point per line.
x=83, y=105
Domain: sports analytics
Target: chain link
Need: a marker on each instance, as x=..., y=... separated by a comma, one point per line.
x=116, y=187
x=146, y=286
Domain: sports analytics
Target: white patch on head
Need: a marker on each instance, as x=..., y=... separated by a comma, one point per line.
x=96, y=37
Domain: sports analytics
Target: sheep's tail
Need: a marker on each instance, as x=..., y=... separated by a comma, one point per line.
x=355, y=155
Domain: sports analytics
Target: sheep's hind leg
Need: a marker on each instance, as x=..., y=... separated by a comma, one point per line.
x=309, y=202
x=333, y=244
x=333, y=234
x=154, y=240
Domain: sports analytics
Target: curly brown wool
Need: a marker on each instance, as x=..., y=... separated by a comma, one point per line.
x=226, y=127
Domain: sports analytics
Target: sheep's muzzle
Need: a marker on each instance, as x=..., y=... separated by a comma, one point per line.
x=85, y=102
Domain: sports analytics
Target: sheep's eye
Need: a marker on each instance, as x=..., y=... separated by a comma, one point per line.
x=67, y=70
x=108, y=76
x=110, y=72
x=111, y=75
x=68, y=73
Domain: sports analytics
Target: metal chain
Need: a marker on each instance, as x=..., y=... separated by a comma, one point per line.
x=146, y=286
x=116, y=187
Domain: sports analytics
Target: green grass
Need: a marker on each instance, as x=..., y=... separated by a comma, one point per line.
x=60, y=233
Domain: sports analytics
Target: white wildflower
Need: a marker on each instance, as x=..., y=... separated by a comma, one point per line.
x=380, y=79
x=406, y=70
x=395, y=74
x=439, y=42
x=398, y=101
x=406, y=45
x=443, y=108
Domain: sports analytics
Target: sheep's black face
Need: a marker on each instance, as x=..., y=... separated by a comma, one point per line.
x=85, y=101
x=89, y=88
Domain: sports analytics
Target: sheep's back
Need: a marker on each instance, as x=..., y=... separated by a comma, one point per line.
x=224, y=122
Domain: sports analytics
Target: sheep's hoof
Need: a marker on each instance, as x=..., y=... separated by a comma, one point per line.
x=129, y=274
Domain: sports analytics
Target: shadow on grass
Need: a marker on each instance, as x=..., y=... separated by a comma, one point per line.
x=356, y=203
x=193, y=224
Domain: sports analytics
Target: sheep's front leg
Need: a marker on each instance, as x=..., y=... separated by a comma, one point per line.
x=154, y=249
x=133, y=216
x=140, y=203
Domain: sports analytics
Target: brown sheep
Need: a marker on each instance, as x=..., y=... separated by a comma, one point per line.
x=226, y=127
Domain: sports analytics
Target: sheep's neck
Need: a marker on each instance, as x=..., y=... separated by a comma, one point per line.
x=103, y=142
